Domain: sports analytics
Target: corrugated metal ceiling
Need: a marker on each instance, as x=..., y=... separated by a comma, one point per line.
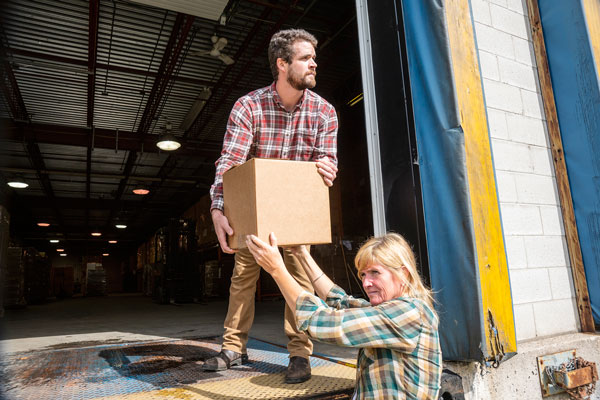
x=81, y=125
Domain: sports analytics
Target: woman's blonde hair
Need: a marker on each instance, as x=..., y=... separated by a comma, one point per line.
x=393, y=252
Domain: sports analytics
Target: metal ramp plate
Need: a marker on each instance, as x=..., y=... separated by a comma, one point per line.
x=163, y=370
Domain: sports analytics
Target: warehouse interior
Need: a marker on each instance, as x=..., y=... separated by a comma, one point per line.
x=107, y=238
x=80, y=121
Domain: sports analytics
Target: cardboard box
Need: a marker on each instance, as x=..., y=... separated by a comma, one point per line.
x=286, y=197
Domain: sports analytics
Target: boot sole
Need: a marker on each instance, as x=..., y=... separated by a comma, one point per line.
x=297, y=380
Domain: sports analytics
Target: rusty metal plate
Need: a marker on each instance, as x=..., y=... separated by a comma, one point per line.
x=577, y=377
x=552, y=360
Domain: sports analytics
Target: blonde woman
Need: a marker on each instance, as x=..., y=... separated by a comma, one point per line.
x=396, y=330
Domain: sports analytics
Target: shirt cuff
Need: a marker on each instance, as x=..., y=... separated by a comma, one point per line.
x=217, y=203
x=306, y=305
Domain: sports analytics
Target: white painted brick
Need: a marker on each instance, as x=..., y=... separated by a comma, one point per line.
x=561, y=283
x=494, y=41
x=529, y=285
x=532, y=104
x=502, y=96
x=497, y=123
x=481, y=12
x=489, y=65
x=524, y=321
x=542, y=161
x=524, y=52
x=519, y=6
x=535, y=189
x=515, y=252
x=507, y=190
x=554, y=317
x=499, y=2
x=517, y=74
x=520, y=219
x=509, y=21
x=546, y=251
x=552, y=220
x=526, y=130
x=510, y=156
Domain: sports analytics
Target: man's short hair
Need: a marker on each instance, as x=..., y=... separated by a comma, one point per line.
x=281, y=46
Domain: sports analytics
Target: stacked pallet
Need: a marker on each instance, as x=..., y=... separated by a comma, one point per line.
x=14, y=279
x=37, y=276
x=96, y=280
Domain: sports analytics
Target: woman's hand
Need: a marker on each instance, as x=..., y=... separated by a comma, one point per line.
x=266, y=255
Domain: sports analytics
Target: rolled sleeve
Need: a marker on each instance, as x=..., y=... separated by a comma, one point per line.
x=236, y=145
x=326, y=143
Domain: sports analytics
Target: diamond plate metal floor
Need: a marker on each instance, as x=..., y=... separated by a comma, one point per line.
x=163, y=370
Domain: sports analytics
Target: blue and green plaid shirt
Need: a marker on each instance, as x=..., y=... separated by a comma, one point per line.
x=399, y=356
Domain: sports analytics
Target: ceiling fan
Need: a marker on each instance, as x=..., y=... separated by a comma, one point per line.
x=219, y=44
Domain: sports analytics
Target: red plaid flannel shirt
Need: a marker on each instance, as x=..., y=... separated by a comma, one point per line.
x=259, y=126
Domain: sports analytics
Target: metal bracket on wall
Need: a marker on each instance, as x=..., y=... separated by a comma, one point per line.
x=548, y=385
x=565, y=372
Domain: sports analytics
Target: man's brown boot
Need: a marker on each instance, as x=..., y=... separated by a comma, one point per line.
x=298, y=370
x=224, y=360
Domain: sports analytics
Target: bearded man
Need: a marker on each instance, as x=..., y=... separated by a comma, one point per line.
x=288, y=121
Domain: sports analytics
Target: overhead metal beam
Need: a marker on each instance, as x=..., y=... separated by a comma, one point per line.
x=107, y=176
x=8, y=82
x=91, y=89
x=196, y=128
x=107, y=67
x=178, y=37
x=103, y=139
x=74, y=203
x=19, y=110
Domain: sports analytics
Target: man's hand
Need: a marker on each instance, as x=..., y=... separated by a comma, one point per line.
x=327, y=169
x=222, y=229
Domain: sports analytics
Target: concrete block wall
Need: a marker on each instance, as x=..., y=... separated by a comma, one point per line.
x=540, y=275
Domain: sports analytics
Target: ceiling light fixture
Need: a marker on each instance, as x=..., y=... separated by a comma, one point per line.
x=54, y=240
x=59, y=250
x=141, y=190
x=17, y=183
x=43, y=224
x=96, y=234
x=63, y=254
x=121, y=226
x=105, y=254
x=167, y=141
x=112, y=241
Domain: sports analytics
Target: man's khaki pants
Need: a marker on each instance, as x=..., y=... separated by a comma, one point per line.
x=240, y=313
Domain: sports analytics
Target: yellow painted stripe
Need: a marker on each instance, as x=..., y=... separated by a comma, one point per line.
x=324, y=380
x=491, y=257
x=591, y=10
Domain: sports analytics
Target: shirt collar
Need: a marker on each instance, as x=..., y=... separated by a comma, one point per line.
x=278, y=101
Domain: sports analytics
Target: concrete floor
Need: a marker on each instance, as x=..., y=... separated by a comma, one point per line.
x=120, y=318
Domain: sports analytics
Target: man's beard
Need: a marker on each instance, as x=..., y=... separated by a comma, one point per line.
x=301, y=83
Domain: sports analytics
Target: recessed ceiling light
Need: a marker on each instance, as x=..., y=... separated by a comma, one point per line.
x=17, y=184
x=141, y=191
x=112, y=241
x=43, y=224
x=105, y=254
x=63, y=254
x=96, y=234
x=54, y=240
x=121, y=226
x=59, y=250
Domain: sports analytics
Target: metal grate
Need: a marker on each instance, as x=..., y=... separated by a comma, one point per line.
x=163, y=370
